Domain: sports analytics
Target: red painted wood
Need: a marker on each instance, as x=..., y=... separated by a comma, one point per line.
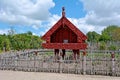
x=64, y=35
x=69, y=24
x=64, y=45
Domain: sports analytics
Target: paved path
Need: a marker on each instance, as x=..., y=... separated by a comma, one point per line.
x=18, y=75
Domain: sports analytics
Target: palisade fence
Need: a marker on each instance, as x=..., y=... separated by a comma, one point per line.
x=95, y=62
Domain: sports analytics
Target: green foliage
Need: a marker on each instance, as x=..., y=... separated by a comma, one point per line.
x=93, y=36
x=116, y=34
x=0, y=51
x=4, y=43
x=107, y=33
x=20, y=41
x=104, y=37
x=27, y=40
x=112, y=47
x=102, y=46
x=29, y=33
x=11, y=31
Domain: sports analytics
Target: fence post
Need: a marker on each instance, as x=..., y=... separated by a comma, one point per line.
x=60, y=65
x=35, y=60
x=84, y=62
x=113, y=63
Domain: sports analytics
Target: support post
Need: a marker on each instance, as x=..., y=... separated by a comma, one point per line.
x=74, y=54
x=60, y=62
x=56, y=52
x=60, y=65
x=35, y=57
x=78, y=54
x=84, y=62
x=113, y=63
x=63, y=54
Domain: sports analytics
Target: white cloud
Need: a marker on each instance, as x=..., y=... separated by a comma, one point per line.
x=25, y=12
x=35, y=27
x=34, y=34
x=49, y=23
x=84, y=27
x=102, y=12
x=35, y=13
x=4, y=31
x=79, y=23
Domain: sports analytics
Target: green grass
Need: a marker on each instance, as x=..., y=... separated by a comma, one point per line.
x=88, y=54
x=117, y=55
x=50, y=53
x=100, y=55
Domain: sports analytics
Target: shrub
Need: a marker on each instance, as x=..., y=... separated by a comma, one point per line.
x=112, y=47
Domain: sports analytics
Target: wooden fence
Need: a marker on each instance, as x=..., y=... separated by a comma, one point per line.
x=94, y=63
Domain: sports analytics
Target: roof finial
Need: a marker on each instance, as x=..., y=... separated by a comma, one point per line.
x=63, y=11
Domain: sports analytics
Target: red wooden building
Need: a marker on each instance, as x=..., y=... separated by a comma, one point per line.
x=64, y=35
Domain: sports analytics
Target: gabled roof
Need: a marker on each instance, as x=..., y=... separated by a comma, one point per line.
x=64, y=21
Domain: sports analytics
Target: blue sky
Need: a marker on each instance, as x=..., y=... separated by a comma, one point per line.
x=74, y=8
x=38, y=16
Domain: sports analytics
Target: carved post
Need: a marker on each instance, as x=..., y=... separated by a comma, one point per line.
x=84, y=63
x=56, y=52
x=113, y=63
x=78, y=54
x=74, y=54
x=63, y=54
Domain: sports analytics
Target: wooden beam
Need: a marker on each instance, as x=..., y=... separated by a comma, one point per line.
x=64, y=45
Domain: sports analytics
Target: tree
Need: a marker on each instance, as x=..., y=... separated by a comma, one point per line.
x=112, y=47
x=116, y=35
x=29, y=33
x=107, y=33
x=93, y=36
x=102, y=46
x=19, y=41
x=1, y=39
x=26, y=41
x=11, y=31
x=5, y=43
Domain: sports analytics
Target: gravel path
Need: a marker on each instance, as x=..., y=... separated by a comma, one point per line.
x=18, y=75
